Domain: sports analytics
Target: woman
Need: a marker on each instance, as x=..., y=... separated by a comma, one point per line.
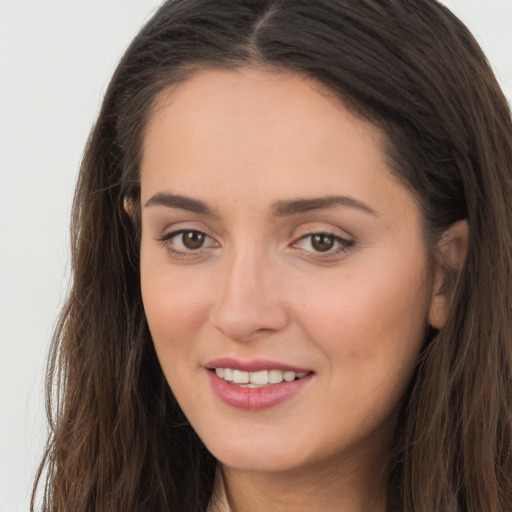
x=292, y=263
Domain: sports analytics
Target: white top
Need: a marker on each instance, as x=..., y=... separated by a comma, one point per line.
x=219, y=500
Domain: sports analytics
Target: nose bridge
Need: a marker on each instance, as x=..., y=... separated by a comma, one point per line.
x=249, y=299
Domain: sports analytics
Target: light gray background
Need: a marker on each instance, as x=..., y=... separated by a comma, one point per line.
x=56, y=58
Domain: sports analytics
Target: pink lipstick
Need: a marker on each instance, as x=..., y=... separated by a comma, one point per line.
x=255, y=385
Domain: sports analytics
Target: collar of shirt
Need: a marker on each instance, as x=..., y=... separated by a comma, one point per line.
x=218, y=501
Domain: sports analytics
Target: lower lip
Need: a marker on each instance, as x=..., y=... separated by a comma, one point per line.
x=255, y=399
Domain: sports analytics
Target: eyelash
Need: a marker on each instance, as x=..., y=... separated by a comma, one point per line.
x=343, y=244
x=182, y=254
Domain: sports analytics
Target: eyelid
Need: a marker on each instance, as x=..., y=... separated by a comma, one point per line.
x=336, y=238
x=170, y=229
x=342, y=243
x=184, y=252
x=322, y=226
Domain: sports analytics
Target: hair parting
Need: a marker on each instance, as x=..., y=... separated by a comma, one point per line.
x=118, y=439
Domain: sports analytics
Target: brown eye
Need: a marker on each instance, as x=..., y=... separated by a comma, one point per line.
x=187, y=243
x=323, y=245
x=193, y=239
x=322, y=242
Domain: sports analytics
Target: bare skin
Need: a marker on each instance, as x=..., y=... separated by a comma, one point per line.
x=246, y=255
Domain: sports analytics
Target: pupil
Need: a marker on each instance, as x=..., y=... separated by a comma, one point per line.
x=322, y=243
x=193, y=239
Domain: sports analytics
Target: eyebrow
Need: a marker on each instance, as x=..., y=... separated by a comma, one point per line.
x=181, y=202
x=279, y=208
x=285, y=208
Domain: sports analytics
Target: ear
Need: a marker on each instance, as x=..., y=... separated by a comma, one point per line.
x=452, y=251
x=128, y=205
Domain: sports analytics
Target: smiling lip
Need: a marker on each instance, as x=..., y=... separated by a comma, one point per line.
x=256, y=365
x=254, y=399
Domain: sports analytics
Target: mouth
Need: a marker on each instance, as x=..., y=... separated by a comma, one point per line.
x=257, y=379
x=256, y=385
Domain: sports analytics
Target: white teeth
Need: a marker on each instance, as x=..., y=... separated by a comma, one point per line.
x=275, y=376
x=289, y=376
x=240, y=377
x=260, y=378
x=257, y=379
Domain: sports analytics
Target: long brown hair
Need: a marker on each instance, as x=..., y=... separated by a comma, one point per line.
x=118, y=440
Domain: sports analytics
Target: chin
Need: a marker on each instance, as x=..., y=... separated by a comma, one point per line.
x=261, y=455
x=258, y=461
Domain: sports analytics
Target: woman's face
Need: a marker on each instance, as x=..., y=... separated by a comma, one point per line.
x=276, y=245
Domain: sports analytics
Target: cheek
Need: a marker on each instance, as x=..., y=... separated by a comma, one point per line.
x=369, y=323
x=175, y=307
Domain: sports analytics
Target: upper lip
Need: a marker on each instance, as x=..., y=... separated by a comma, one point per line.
x=254, y=365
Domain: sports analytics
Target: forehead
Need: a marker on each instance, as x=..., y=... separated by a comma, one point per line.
x=260, y=134
x=254, y=99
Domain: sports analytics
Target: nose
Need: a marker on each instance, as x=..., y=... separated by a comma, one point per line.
x=250, y=299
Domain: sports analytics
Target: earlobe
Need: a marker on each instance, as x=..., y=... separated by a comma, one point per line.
x=128, y=206
x=452, y=252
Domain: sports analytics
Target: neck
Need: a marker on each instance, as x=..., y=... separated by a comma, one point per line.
x=335, y=486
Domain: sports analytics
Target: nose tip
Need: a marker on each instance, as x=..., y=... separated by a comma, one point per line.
x=249, y=303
